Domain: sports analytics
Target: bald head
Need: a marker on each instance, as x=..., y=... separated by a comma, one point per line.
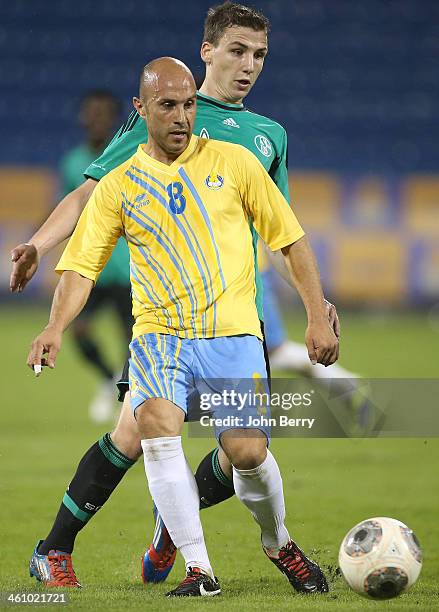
x=167, y=103
x=162, y=74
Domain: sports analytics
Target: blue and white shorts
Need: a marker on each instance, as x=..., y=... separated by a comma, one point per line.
x=222, y=370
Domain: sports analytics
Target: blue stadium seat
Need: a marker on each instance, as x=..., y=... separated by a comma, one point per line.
x=354, y=83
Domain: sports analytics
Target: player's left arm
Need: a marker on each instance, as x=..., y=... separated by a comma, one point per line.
x=320, y=337
x=278, y=226
x=279, y=174
x=277, y=260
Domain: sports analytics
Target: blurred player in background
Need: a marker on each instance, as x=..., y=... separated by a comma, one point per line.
x=233, y=50
x=99, y=112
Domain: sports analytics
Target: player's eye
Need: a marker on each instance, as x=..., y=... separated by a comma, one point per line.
x=237, y=51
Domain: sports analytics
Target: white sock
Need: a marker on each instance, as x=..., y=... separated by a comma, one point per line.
x=174, y=490
x=260, y=489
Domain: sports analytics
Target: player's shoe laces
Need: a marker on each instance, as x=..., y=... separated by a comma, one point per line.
x=159, y=559
x=196, y=584
x=54, y=569
x=303, y=574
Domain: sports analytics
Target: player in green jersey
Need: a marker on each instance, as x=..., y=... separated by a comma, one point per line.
x=234, y=49
x=223, y=116
x=98, y=114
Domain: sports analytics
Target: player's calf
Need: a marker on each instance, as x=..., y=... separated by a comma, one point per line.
x=214, y=486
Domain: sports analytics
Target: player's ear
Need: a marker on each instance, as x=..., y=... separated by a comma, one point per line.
x=206, y=52
x=138, y=105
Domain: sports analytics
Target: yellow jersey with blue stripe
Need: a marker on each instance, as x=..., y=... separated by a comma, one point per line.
x=187, y=229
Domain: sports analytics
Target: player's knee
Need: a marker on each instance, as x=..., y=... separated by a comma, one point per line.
x=245, y=453
x=159, y=418
x=248, y=459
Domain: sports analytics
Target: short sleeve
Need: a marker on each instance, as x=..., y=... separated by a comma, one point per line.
x=279, y=168
x=271, y=214
x=96, y=233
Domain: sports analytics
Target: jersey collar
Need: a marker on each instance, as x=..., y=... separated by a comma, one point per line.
x=217, y=103
x=193, y=143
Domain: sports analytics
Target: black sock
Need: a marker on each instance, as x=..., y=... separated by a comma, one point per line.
x=99, y=472
x=91, y=352
x=213, y=485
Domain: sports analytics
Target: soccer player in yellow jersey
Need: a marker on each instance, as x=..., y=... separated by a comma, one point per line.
x=184, y=204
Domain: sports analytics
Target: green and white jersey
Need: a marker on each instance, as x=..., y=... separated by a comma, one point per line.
x=117, y=270
x=228, y=122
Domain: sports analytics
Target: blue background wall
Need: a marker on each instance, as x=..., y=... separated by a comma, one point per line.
x=355, y=83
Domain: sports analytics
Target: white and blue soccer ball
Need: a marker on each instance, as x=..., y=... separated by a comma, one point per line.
x=380, y=558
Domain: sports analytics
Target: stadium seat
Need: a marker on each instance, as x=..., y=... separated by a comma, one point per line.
x=348, y=109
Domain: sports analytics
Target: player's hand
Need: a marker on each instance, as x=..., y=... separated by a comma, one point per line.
x=322, y=343
x=25, y=262
x=333, y=318
x=47, y=343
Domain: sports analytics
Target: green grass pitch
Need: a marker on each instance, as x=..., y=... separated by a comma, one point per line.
x=329, y=484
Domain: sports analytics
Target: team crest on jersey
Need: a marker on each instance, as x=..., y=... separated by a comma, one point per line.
x=214, y=181
x=263, y=145
x=204, y=133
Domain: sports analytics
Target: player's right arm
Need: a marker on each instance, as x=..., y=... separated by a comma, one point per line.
x=83, y=259
x=55, y=229
x=69, y=299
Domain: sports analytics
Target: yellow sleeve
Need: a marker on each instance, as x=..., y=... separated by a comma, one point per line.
x=96, y=233
x=272, y=216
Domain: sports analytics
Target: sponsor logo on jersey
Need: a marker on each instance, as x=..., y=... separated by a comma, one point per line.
x=204, y=133
x=141, y=200
x=214, y=181
x=263, y=145
x=231, y=122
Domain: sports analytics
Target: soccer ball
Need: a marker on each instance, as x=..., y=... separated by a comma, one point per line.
x=380, y=558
